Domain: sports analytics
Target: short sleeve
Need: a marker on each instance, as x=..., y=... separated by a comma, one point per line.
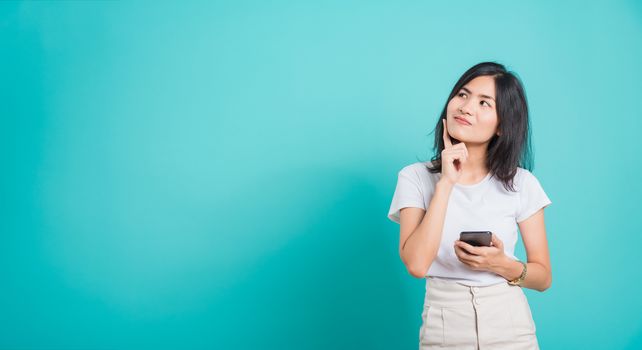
x=531, y=197
x=408, y=193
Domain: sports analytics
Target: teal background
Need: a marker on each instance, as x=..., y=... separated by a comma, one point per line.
x=216, y=175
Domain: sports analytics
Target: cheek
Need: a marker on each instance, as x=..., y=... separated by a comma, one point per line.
x=488, y=122
x=454, y=103
x=450, y=107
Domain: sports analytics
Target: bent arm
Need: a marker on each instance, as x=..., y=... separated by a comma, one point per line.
x=420, y=242
x=538, y=275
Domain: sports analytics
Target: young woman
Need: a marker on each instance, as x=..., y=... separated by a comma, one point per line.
x=478, y=180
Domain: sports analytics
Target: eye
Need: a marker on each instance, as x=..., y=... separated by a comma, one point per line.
x=486, y=103
x=461, y=93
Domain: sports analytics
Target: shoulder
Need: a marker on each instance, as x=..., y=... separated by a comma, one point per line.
x=419, y=172
x=417, y=168
x=524, y=178
x=522, y=173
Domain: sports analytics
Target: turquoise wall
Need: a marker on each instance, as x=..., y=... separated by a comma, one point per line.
x=216, y=175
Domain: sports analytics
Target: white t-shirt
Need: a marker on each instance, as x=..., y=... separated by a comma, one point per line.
x=484, y=206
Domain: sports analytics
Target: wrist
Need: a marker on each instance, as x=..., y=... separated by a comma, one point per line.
x=444, y=183
x=520, y=279
x=510, y=269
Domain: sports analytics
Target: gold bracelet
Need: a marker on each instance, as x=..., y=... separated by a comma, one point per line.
x=518, y=281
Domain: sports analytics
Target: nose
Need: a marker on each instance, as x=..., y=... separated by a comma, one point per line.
x=464, y=107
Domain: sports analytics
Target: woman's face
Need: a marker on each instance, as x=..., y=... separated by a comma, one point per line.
x=474, y=102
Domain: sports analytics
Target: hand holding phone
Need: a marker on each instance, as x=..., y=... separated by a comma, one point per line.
x=480, y=250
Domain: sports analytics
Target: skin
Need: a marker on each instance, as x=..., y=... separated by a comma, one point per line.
x=464, y=163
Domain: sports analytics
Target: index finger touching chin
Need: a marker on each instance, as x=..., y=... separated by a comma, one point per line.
x=446, y=137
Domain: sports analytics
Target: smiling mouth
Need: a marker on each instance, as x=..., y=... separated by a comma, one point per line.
x=462, y=120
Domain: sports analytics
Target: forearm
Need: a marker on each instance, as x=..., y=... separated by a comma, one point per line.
x=538, y=277
x=421, y=248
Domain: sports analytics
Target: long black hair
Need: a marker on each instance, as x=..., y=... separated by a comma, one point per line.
x=512, y=148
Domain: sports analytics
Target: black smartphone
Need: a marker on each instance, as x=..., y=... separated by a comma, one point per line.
x=476, y=238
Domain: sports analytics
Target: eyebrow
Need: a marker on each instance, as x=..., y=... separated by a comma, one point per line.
x=480, y=95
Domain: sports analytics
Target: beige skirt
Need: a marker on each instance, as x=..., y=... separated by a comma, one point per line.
x=457, y=316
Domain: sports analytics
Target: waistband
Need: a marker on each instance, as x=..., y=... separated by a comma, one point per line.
x=444, y=293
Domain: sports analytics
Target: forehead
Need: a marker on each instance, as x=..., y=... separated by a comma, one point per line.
x=482, y=85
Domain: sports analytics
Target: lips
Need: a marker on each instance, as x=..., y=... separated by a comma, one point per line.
x=462, y=120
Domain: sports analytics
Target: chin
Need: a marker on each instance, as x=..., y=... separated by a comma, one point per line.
x=465, y=140
x=456, y=137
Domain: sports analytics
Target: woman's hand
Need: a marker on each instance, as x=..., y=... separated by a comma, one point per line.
x=482, y=258
x=452, y=157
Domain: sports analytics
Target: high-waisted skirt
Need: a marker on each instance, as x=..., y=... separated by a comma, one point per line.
x=457, y=316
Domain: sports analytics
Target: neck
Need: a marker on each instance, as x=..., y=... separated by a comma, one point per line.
x=475, y=165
